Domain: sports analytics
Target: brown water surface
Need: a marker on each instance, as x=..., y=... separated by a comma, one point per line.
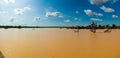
x=59, y=43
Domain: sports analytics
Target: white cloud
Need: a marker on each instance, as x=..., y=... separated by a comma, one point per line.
x=9, y=1
x=12, y=19
x=91, y=13
x=53, y=14
x=67, y=21
x=96, y=19
x=76, y=12
x=114, y=16
x=98, y=2
x=36, y=19
x=108, y=10
x=3, y=12
x=20, y=11
x=26, y=8
x=60, y=16
x=76, y=18
x=98, y=14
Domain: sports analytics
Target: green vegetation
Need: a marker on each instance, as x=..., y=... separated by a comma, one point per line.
x=68, y=27
x=98, y=27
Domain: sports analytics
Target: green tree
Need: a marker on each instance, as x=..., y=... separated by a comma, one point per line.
x=114, y=26
x=103, y=27
x=100, y=26
x=107, y=26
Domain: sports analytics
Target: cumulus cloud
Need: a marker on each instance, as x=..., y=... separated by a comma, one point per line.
x=106, y=9
x=20, y=11
x=97, y=14
x=26, y=8
x=9, y=1
x=98, y=2
x=67, y=21
x=96, y=19
x=36, y=19
x=53, y=14
x=91, y=13
x=114, y=16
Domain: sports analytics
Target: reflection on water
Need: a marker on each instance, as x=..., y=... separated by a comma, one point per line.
x=93, y=35
x=59, y=43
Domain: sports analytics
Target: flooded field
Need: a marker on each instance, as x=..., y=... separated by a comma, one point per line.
x=59, y=43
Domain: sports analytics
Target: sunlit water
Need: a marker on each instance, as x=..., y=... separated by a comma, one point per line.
x=59, y=43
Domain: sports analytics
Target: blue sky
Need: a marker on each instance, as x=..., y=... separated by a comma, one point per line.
x=59, y=12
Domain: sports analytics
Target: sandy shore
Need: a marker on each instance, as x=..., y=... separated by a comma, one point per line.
x=59, y=43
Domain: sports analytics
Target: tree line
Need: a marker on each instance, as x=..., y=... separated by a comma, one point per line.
x=114, y=26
